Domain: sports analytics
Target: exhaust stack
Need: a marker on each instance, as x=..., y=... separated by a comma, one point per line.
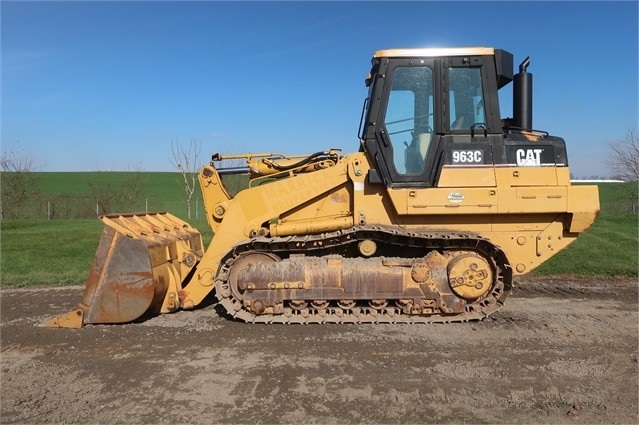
x=522, y=97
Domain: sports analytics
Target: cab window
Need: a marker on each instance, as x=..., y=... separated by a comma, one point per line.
x=409, y=118
x=466, y=98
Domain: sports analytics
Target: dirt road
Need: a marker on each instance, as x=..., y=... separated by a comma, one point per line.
x=558, y=352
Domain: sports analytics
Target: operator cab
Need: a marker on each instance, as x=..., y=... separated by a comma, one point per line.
x=421, y=100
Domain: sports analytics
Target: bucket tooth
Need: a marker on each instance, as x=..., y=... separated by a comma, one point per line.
x=72, y=319
x=139, y=266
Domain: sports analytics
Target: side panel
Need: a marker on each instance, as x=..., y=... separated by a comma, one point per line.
x=518, y=190
x=470, y=177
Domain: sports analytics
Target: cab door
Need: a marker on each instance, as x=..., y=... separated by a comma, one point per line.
x=406, y=133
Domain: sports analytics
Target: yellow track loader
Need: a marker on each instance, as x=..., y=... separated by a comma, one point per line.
x=429, y=221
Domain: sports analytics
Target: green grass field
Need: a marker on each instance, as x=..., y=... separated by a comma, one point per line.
x=161, y=192
x=68, y=195
x=55, y=252
x=60, y=252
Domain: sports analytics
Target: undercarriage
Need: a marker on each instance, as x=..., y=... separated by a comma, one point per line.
x=366, y=274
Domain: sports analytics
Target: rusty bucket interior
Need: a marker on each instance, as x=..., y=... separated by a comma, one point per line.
x=139, y=268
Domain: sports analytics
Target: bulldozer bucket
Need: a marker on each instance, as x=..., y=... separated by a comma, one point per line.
x=138, y=269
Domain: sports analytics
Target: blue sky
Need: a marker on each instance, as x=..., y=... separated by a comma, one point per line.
x=106, y=86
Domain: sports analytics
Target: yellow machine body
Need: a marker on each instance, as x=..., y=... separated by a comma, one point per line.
x=356, y=238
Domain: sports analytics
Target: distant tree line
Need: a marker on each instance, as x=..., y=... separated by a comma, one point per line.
x=21, y=196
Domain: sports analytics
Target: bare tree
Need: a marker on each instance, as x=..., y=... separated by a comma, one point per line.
x=624, y=157
x=19, y=185
x=116, y=192
x=185, y=159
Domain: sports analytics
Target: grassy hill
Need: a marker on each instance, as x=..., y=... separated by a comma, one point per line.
x=160, y=191
x=73, y=195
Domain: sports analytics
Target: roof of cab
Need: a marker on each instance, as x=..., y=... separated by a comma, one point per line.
x=434, y=52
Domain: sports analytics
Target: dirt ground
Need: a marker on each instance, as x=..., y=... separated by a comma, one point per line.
x=558, y=352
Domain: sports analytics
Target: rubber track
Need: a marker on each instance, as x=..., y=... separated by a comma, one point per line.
x=329, y=243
